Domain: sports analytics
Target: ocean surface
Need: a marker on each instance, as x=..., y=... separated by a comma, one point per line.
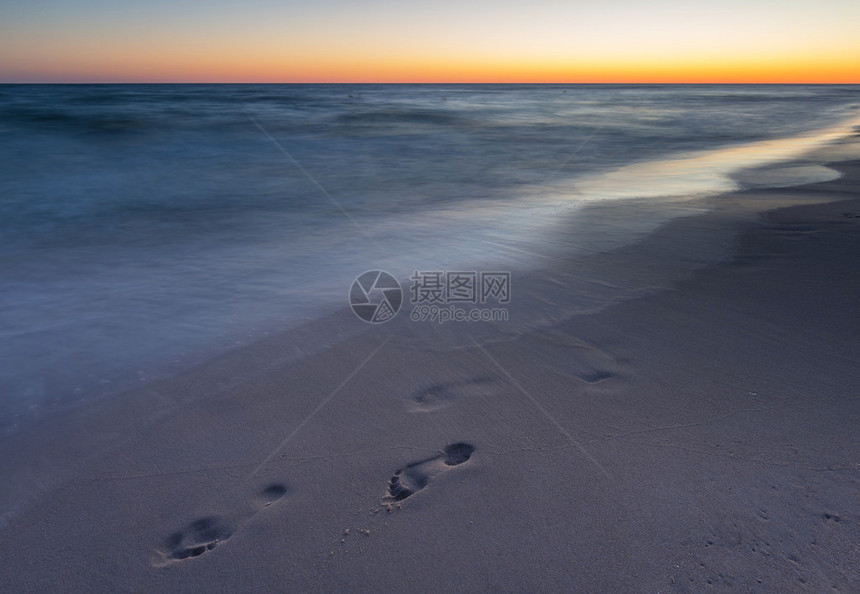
x=144, y=227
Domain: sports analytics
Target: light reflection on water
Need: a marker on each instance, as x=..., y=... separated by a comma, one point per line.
x=144, y=225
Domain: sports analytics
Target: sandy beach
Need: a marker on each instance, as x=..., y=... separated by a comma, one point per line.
x=700, y=437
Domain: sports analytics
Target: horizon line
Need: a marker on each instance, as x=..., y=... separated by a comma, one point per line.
x=808, y=84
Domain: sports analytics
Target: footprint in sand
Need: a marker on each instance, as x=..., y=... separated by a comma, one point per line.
x=198, y=537
x=412, y=478
x=439, y=395
x=571, y=356
x=204, y=534
x=270, y=494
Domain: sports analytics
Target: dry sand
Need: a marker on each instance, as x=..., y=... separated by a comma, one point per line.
x=696, y=438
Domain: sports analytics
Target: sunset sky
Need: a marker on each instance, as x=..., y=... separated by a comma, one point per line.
x=439, y=41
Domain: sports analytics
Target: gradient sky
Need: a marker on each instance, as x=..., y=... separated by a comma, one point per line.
x=438, y=41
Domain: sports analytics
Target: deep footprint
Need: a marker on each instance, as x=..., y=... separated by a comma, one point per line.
x=204, y=534
x=198, y=537
x=415, y=476
x=271, y=494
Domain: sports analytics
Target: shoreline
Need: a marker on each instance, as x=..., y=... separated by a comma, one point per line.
x=699, y=432
x=79, y=352
x=301, y=337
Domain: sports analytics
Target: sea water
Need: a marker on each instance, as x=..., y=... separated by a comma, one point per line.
x=144, y=226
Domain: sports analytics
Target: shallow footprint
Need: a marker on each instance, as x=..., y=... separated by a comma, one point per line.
x=440, y=395
x=571, y=356
x=415, y=476
x=204, y=534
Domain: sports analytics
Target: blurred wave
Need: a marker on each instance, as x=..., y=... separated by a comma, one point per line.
x=144, y=224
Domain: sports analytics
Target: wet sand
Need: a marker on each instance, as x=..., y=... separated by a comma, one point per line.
x=701, y=436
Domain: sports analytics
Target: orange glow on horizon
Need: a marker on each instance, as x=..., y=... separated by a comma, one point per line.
x=617, y=41
x=212, y=68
